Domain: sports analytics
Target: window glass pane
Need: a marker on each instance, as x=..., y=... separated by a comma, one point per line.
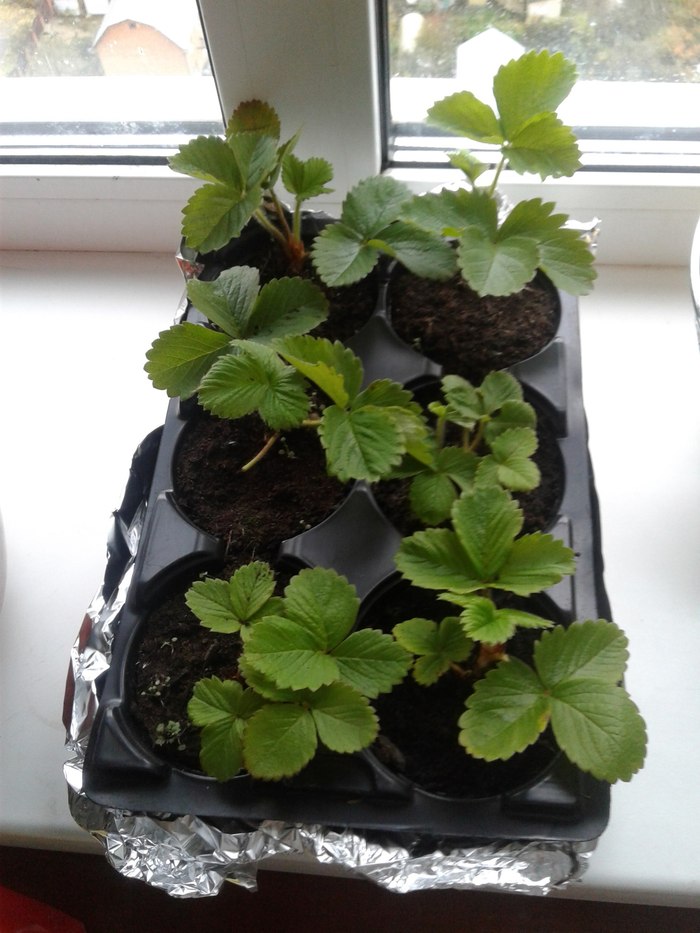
x=638, y=63
x=104, y=74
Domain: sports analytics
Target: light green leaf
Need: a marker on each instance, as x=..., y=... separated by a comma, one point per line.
x=279, y=741
x=584, y=650
x=228, y=300
x=210, y=600
x=496, y=268
x=449, y=212
x=497, y=389
x=341, y=256
x=599, y=728
x=334, y=368
x=371, y=662
x=286, y=307
x=323, y=602
x=215, y=214
x=423, y=253
x=512, y=451
x=434, y=559
x=262, y=684
x=535, y=562
x=568, y=261
x=222, y=708
x=208, y=158
x=255, y=155
x=485, y=623
x=463, y=114
x=472, y=167
x=373, y=204
x=432, y=496
x=292, y=655
x=511, y=415
x=486, y=520
x=306, y=179
x=465, y=405
x=529, y=85
x=506, y=712
x=544, y=147
x=363, y=444
x=255, y=379
x=345, y=721
x=438, y=645
x=180, y=357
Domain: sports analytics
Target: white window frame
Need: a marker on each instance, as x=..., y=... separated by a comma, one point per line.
x=316, y=62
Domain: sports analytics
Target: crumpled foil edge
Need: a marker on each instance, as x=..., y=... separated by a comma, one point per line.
x=188, y=858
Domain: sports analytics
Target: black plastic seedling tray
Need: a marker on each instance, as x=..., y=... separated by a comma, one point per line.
x=358, y=541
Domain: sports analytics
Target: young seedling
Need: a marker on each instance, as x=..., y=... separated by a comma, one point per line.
x=497, y=254
x=258, y=359
x=497, y=441
x=574, y=683
x=240, y=173
x=306, y=674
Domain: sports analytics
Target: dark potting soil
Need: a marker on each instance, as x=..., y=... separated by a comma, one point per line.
x=284, y=494
x=418, y=725
x=173, y=653
x=469, y=335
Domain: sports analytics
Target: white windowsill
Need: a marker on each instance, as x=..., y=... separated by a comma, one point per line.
x=646, y=218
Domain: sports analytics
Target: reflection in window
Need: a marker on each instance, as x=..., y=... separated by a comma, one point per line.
x=131, y=71
x=638, y=63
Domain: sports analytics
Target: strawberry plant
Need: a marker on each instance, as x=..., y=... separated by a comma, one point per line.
x=306, y=676
x=240, y=174
x=574, y=683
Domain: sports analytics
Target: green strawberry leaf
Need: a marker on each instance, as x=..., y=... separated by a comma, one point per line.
x=344, y=720
x=485, y=623
x=341, y=256
x=221, y=708
x=568, y=261
x=585, y=650
x=180, y=357
x=435, y=559
x=226, y=605
x=463, y=114
x=438, y=646
x=486, y=521
x=530, y=85
x=373, y=204
x=334, y=368
x=279, y=741
x=472, y=167
x=323, y=602
x=208, y=158
x=449, y=213
x=291, y=655
x=255, y=379
x=599, y=728
x=498, y=389
x=371, y=662
x=306, y=179
x=421, y=252
x=228, y=300
x=506, y=712
x=511, y=415
x=512, y=450
x=544, y=147
x=535, y=562
x=216, y=214
x=286, y=307
x=361, y=444
x=499, y=267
